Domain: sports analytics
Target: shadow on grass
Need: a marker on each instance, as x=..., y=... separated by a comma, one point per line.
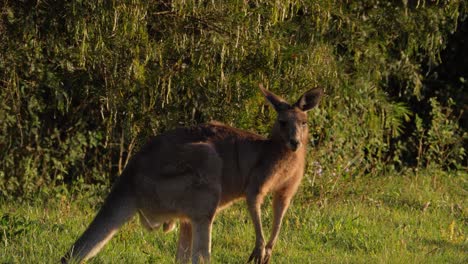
x=402, y=203
x=444, y=245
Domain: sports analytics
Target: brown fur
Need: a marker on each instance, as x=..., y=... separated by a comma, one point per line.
x=191, y=173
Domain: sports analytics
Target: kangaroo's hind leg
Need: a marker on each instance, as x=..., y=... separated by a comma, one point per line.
x=201, y=241
x=206, y=193
x=184, y=248
x=190, y=187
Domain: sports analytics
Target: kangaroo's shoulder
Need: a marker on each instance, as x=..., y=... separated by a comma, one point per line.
x=218, y=130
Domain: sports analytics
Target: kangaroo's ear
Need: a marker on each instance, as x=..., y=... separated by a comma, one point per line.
x=277, y=102
x=309, y=99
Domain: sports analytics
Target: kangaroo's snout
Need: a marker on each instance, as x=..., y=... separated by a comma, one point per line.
x=294, y=144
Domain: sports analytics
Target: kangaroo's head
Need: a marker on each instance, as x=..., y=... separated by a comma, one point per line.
x=291, y=123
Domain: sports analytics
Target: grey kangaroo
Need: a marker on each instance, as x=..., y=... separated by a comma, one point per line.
x=190, y=174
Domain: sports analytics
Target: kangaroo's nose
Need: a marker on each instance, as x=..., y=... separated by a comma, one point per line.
x=294, y=144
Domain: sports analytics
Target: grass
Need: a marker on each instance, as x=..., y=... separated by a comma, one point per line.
x=390, y=219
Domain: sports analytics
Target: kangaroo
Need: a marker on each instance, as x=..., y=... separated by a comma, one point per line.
x=190, y=174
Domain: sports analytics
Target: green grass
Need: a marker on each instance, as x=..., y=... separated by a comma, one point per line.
x=391, y=219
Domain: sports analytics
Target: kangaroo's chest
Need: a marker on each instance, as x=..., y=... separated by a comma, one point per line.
x=282, y=172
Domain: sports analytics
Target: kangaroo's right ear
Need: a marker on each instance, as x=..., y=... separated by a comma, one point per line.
x=277, y=102
x=309, y=99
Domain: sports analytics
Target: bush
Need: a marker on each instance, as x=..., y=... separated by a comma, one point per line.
x=85, y=83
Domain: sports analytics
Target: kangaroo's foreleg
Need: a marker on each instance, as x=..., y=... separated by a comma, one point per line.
x=281, y=201
x=184, y=248
x=254, y=203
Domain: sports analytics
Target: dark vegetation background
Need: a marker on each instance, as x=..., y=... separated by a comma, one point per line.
x=85, y=83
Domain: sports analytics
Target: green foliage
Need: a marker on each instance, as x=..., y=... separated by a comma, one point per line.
x=12, y=226
x=85, y=83
x=441, y=142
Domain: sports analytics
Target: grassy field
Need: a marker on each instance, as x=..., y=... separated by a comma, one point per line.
x=390, y=219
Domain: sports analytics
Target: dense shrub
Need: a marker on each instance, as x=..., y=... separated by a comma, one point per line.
x=85, y=83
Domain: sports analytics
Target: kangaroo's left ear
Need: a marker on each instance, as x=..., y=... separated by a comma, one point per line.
x=309, y=99
x=277, y=102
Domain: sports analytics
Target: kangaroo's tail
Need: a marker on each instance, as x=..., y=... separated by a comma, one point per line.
x=118, y=208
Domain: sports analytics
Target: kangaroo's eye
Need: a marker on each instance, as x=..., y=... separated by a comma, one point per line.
x=282, y=123
x=304, y=124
